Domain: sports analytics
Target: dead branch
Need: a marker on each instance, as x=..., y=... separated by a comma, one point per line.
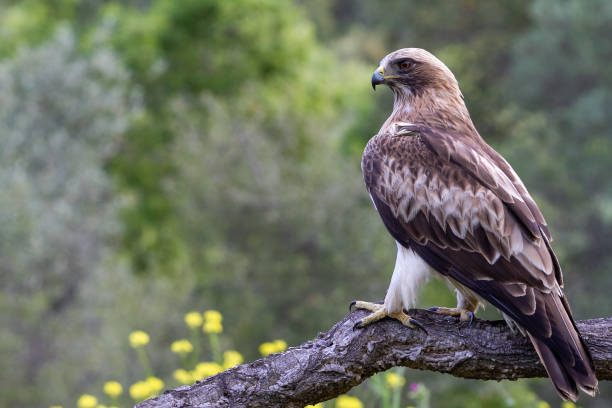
x=342, y=358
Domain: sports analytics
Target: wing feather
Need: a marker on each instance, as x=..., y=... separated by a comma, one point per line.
x=432, y=199
x=490, y=169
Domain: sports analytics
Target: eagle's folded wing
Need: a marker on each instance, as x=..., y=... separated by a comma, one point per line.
x=462, y=224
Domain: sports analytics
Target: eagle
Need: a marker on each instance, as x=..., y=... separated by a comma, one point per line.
x=459, y=212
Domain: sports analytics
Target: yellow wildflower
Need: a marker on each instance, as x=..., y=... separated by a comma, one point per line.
x=394, y=380
x=212, y=322
x=543, y=404
x=182, y=347
x=275, y=346
x=212, y=327
x=232, y=358
x=87, y=401
x=568, y=404
x=213, y=316
x=344, y=401
x=319, y=405
x=155, y=385
x=140, y=390
x=101, y=406
x=113, y=389
x=281, y=345
x=138, y=339
x=206, y=369
x=56, y=406
x=183, y=376
x=193, y=319
x=267, y=348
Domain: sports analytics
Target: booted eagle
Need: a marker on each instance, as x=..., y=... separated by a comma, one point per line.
x=459, y=212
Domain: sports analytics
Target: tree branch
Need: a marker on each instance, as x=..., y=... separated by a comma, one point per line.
x=342, y=358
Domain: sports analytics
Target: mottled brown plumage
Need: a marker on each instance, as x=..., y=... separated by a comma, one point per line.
x=448, y=197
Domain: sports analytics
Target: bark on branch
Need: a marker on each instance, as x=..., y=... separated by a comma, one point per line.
x=342, y=358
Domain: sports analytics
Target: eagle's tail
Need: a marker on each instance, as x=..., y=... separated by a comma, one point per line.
x=564, y=355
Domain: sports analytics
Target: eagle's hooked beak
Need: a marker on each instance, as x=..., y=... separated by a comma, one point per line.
x=378, y=77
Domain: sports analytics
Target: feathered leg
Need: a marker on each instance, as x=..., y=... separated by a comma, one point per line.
x=410, y=273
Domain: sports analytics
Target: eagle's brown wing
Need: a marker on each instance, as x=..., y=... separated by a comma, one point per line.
x=460, y=206
x=492, y=171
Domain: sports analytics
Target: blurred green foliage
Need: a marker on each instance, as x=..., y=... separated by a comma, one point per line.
x=161, y=156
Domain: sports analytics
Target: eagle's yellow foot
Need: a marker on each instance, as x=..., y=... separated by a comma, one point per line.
x=379, y=312
x=464, y=314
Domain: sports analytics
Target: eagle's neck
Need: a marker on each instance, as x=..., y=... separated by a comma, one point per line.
x=435, y=108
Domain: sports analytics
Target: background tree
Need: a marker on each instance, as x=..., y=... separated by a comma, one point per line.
x=162, y=156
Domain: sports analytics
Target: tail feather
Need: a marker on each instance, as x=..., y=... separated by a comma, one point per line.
x=564, y=354
x=565, y=385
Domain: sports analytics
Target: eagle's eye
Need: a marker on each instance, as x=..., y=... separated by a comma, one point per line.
x=404, y=65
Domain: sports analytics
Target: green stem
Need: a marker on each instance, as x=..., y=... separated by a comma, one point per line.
x=184, y=361
x=195, y=339
x=144, y=361
x=382, y=390
x=396, y=397
x=215, y=348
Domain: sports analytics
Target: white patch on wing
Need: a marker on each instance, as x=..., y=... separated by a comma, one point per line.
x=409, y=275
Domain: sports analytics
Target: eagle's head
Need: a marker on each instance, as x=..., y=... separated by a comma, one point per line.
x=414, y=71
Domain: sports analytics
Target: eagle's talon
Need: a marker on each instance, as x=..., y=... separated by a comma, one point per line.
x=417, y=324
x=380, y=312
x=471, y=315
x=463, y=314
x=357, y=326
x=353, y=303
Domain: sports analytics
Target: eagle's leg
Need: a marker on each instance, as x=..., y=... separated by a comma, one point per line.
x=467, y=304
x=464, y=314
x=410, y=273
x=379, y=311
